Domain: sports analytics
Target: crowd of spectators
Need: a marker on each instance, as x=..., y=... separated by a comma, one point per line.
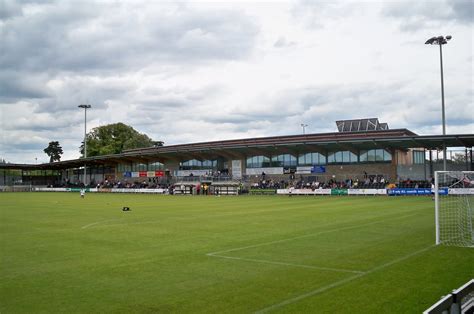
x=131, y=185
x=264, y=182
x=368, y=182
x=112, y=184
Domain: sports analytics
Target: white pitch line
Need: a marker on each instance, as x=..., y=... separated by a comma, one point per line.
x=308, y=235
x=340, y=282
x=98, y=222
x=181, y=218
x=287, y=264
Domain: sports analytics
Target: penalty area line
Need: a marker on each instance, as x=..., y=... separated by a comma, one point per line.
x=341, y=282
x=286, y=264
x=98, y=222
x=311, y=234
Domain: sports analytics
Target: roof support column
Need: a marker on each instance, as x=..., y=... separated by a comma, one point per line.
x=431, y=163
x=424, y=161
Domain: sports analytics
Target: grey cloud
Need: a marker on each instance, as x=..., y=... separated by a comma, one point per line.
x=463, y=10
x=316, y=13
x=9, y=9
x=26, y=146
x=414, y=16
x=400, y=105
x=283, y=43
x=89, y=37
x=64, y=39
x=77, y=90
x=14, y=86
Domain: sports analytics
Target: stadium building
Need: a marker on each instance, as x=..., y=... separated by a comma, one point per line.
x=360, y=149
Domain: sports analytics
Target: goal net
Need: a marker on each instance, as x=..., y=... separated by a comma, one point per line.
x=454, y=205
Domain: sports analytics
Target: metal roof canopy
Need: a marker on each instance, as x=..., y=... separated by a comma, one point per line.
x=296, y=144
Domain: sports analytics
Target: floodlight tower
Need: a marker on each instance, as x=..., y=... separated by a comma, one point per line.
x=85, y=142
x=441, y=40
x=304, y=127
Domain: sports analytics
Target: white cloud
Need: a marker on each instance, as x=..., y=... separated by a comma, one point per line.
x=195, y=72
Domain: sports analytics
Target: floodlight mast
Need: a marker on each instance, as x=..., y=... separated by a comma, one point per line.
x=304, y=127
x=440, y=40
x=85, y=142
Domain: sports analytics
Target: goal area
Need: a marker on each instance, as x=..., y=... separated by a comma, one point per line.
x=454, y=208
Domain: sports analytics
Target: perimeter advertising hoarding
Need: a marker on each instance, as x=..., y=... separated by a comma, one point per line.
x=318, y=169
x=149, y=174
x=197, y=173
x=160, y=191
x=303, y=170
x=414, y=191
x=310, y=169
x=304, y=192
x=469, y=191
x=339, y=192
x=367, y=191
x=64, y=189
x=259, y=171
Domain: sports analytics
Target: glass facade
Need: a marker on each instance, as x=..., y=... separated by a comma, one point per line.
x=258, y=162
x=309, y=159
x=418, y=157
x=194, y=164
x=140, y=166
x=342, y=157
x=285, y=160
x=39, y=173
x=375, y=155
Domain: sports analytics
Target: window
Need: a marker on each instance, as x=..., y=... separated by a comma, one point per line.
x=387, y=156
x=139, y=167
x=194, y=164
x=310, y=159
x=418, y=157
x=285, y=160
x=379, y=155
x=375, y=155
x=155, y=166
x=342, y=157
x=258, y=162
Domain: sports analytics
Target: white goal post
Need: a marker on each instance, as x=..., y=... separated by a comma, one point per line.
x=454, y=208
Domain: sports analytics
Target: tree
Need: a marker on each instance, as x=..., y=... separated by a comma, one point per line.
x=114, y=139
x=459, y=158
x=54, y=151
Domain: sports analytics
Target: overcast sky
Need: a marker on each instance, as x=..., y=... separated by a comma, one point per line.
x=201, y=71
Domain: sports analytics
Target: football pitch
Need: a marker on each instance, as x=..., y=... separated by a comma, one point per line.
x=206, y=254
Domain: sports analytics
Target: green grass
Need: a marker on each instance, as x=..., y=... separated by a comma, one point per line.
x=60, y=253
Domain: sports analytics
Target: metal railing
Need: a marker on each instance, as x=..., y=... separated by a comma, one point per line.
x=458, y=302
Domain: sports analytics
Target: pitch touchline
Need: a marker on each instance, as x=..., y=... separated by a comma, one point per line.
x=340, y=282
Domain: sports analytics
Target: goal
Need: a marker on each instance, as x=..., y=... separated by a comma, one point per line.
x=454, y=208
